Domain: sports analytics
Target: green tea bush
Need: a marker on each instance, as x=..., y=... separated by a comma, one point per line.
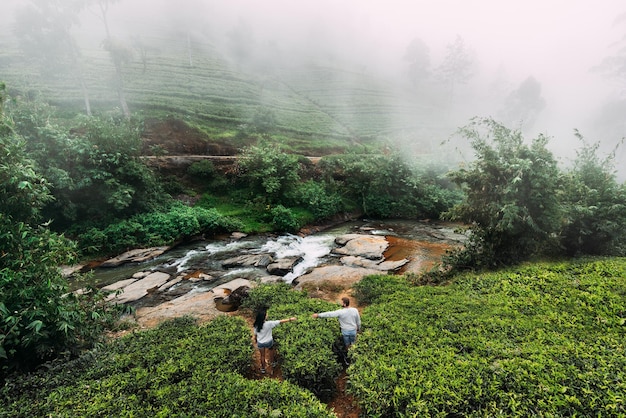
x=546, y=340
x=305, y=347
x=370, y=289
x=176, y=369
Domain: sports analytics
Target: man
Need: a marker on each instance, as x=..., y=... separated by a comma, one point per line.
x=349, y=321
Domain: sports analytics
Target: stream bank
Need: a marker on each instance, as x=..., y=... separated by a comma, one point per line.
x=188, y=279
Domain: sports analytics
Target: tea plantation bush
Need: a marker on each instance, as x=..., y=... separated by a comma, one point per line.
x=545, y=340
x=304, y=348
x=177, y=369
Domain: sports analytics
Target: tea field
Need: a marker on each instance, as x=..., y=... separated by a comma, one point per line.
x=543, y=339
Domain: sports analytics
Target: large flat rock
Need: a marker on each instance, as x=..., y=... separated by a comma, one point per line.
x=367, y=246
x=139, y=288
x=340, y=275
x=198, y=304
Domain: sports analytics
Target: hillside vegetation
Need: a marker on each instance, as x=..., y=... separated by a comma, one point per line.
x=543, y=339
x=193, y=81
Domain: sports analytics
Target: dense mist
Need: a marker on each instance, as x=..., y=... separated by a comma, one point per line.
x=543, y=67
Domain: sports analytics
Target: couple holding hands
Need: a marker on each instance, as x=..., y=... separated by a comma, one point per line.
x=349, y=322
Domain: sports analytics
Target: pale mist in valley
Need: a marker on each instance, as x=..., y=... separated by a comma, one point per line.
x=552, y=68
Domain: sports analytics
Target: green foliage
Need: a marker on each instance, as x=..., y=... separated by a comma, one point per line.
x=385, y=186
x=511, y=201
x=176, y=369
x=305, y=347
x=545, y=340
x=595, y=205
x=317, y=197
x=202, y=169
x=269, y=171
x=93, y=167
x=156, y=228
x=39, y=319
x=283, y=219
x=370, y=289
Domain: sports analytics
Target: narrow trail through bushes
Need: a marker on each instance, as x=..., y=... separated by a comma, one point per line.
x=342, y=404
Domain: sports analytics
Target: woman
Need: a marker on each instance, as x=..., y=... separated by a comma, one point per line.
x=263, y=334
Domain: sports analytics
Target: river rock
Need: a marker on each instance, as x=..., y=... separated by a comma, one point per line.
x=225, y=289
x=367, y=246
x=119, y=285
x=338, y=275
x=139, y=288
x=248, y=260
x=199, y=304
x=237, y=296
x=383, y=266
x=283, y=266
x=238, y=235
x=134, y=256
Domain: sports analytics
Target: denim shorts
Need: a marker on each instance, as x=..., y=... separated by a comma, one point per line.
x=265, y=345
x=349, y=337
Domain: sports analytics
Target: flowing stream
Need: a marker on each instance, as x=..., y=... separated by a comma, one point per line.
x=408, y=239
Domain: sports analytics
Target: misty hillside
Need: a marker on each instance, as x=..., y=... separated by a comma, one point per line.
x=191, y=79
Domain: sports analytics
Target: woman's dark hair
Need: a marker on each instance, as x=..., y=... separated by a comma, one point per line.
x=260, y=318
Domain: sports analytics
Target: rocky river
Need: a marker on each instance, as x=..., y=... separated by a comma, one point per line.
x=204, y=278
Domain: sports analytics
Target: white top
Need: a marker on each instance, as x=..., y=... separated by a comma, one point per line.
x=349, y=318
x=265, y=335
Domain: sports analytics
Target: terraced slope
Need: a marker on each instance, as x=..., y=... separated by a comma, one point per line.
x=193, y=81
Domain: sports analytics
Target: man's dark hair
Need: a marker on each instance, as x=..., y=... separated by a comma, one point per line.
x=345, y=301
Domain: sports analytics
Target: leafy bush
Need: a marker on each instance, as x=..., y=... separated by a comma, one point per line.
x=175, y=369
x=39, y=318
x=370, y=289
x=202, y=169
x=595, y=205
x=94, y=167
x=269, y=171
x=156, y=228
x=511, y=201
x=317, y=198
x=284, y=219
x=386, y=186
x=546, y=340
x=304, y=348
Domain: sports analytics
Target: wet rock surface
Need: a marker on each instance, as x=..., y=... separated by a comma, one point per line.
x=164, y=292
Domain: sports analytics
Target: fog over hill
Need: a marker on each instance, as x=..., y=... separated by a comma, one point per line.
x=407, y=71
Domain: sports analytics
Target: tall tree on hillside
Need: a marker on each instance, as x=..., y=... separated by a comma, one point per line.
x=456, y=67
x=523, y=104
x=120, y=54
x=418, y=57
x=44, y=31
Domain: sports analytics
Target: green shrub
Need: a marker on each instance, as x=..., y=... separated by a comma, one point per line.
x=304, y=348
x=316, y=197
x=202, y=169
x=370, y=289
x=546, y=340
x=284, y=219
x=156, y=228
x=595, y=205
x=511, y=201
